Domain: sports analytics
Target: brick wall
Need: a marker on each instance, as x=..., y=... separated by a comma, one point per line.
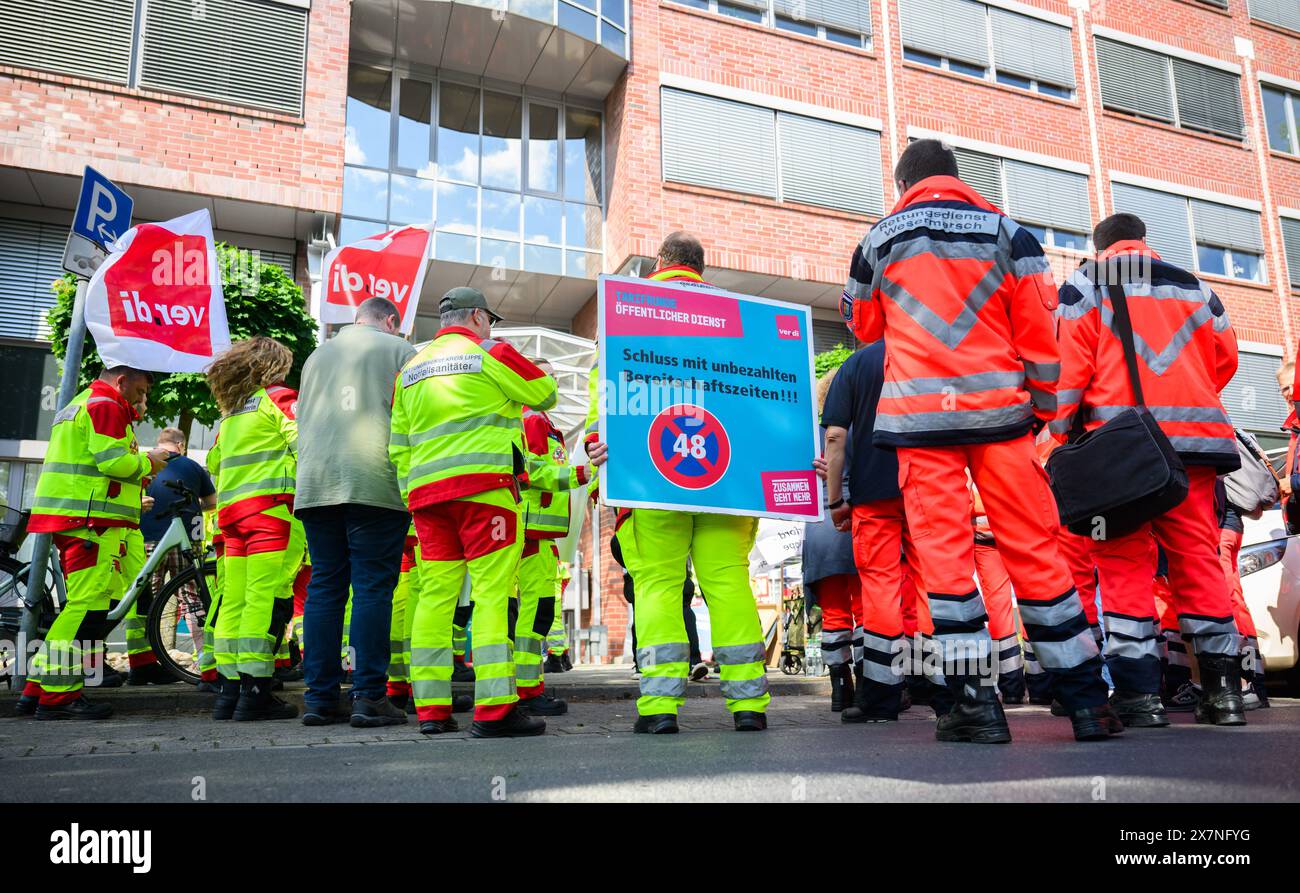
x=146, y=138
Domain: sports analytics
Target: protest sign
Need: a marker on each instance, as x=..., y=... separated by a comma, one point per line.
x=706, y=400
x=390, y=265
x=156, y=302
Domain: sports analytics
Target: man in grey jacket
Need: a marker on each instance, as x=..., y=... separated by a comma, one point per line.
x=349, y=503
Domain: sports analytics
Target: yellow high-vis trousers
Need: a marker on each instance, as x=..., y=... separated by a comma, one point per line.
x=481, y=534
x=538, y=576
x=655, y=545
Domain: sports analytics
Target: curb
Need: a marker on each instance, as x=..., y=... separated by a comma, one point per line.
x=184, y=699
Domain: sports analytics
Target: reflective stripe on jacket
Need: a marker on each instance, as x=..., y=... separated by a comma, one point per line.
x=550, y=478
x=963, y=297
x=92, y=470
x=1185, y=346
x=256, y=460
x=457, y=427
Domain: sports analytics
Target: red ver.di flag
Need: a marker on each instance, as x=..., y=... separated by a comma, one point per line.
x=390, y=265
x=156, y=302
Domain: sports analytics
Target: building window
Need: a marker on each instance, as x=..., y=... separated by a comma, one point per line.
x=508, y=179
x=1197, y=235
x=1291, y=246
x=1169, y=89
x=1284, y=13
x=1281, y=113
x=1050, y=203
x=31, y=258
x=846, y=22
x=989, y=43
x=244, y=52
x=747, y=148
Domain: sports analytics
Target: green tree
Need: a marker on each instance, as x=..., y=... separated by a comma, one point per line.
x=261, y=299
x=830, y=359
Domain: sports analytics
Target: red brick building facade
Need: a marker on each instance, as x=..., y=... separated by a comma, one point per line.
x=767, y=127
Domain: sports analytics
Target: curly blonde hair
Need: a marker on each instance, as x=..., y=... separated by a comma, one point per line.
x=824, y=387
x=248, y=365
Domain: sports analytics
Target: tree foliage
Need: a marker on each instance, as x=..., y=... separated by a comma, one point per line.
x=830, y=359
x=261, y=299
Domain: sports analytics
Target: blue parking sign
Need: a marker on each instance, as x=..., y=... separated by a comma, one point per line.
x=103, y=210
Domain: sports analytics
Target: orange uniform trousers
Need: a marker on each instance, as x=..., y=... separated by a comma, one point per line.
x=1023, y=518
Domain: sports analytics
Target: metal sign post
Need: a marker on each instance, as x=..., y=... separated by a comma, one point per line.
x=103, y=214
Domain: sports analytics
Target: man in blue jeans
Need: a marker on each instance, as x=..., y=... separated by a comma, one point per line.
x=350, y=506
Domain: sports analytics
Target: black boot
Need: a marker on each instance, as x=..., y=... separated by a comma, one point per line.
x=749, y=721
x=1095, y=723
x=78, y=709
x=545, y=705
x=1139, y=710
x=656, y=724
x=1012, y=687
x=873, y=703
x=256, y=702
x=371, y=713
x=841, y=687
x=224, y=705
x=26, y=705
x=515, y=724
x=976, y=716
x=1220, y=703
x=439, y=726
x=553, y=664
x=567, y=661
x=462, y=703
x=462, y=672
x=150, y=674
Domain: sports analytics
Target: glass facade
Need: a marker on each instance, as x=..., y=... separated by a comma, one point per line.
x=508, y=178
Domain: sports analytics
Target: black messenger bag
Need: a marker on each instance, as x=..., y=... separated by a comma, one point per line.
x=1110, y=481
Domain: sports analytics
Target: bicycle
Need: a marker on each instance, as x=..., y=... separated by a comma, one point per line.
x=169, y=628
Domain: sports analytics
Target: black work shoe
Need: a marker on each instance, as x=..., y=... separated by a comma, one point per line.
x=26, y=705
x=856, y=714
x=515, y=724
x=256, y=703
x=370, y=713
x=461, y=672
x=553, y=664
x=1221, y=702
x=228, y=696
x=545, y=705
x=1058, y=709
x=400, y=701
x=656, y=724
x=1139, y=710
x=462, y=703
x=977, y=717
x=325, y=716
x=841, y=687
x=564, y=659
x=150, y=674
x=749, y=721
x=111, y=679
x=78, y=709
x=288, y=674
x=439, y=726
x=208, y=688
x=1184, y=700
x=1095, y=723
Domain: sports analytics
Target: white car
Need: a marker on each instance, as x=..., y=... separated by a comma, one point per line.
x=1269, y=564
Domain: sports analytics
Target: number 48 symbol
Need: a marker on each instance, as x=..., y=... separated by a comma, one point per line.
x=694, y=448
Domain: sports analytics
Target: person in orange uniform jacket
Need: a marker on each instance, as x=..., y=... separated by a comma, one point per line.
x=1186, y=354
x=963, y=298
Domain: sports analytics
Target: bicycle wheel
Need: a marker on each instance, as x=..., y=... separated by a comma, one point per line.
x=175, y=622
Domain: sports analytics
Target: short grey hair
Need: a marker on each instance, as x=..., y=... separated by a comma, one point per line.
x=377, y=310
x=456, y=317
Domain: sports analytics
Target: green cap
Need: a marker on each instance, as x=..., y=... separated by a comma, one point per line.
x=465, y=298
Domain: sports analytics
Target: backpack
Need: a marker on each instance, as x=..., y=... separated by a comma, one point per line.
x=1252, y=487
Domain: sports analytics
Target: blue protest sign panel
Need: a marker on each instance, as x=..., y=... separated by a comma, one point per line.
x=706, y=400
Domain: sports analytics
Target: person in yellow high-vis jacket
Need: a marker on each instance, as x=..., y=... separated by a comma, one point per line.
x=546, y=519
x=88, y=497
x=256, y=463
x=656, y=544
x=557, y=640
x=457, y=445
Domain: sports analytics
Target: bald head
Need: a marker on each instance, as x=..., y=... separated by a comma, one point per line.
x=681, y=249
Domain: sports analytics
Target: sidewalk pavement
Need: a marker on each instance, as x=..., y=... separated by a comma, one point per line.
x=608, y=682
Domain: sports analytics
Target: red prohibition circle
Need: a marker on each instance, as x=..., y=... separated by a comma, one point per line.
x=689, y=446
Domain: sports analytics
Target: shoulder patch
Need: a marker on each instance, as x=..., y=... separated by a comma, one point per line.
x=454, y=364
x=67, y=413
x=250, y=405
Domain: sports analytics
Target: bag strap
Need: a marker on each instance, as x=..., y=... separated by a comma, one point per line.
x=1124, y=328
x=1290, y=455
x=1258, y=454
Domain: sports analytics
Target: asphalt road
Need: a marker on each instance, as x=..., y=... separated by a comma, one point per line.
x=591, y=755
